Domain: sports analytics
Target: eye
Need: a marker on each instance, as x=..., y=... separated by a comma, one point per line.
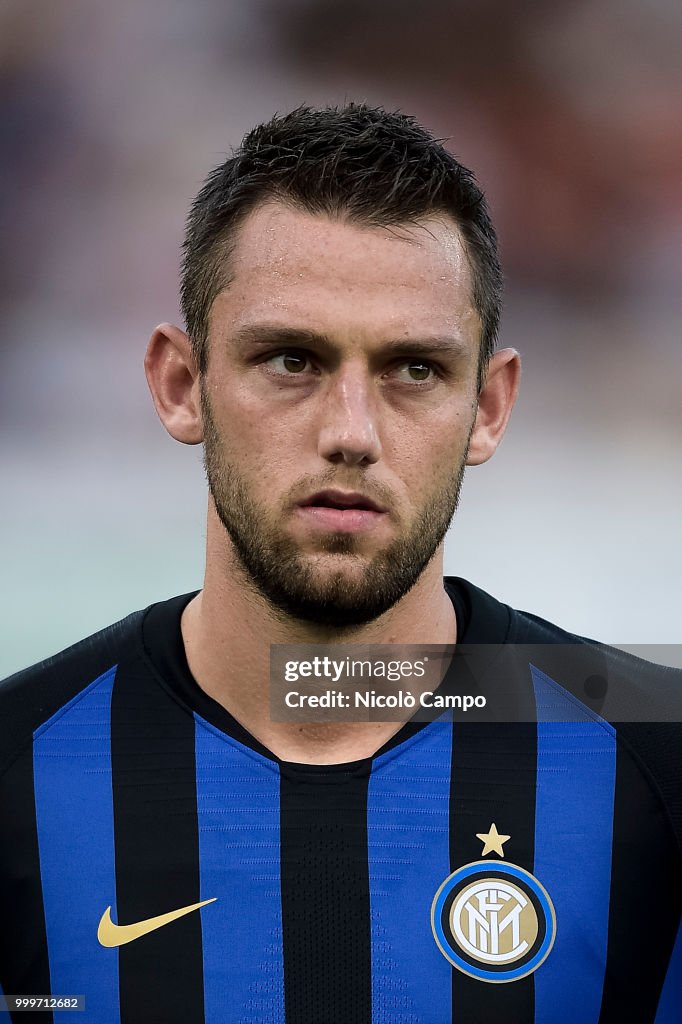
x=416, y=371
x=288, y=363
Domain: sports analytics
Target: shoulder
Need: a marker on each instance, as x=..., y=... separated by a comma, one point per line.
x=640, y=699
x=630, y=688
x=30, y=697
x=627, y=687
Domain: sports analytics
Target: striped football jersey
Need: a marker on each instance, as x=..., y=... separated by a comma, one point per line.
x=158, y=861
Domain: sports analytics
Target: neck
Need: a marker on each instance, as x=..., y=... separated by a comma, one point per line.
x=228, y=629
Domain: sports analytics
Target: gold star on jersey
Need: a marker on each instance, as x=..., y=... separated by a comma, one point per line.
x=493, y=920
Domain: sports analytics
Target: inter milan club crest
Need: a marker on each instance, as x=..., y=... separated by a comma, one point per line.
x=493, y=920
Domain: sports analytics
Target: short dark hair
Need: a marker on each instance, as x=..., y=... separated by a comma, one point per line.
x=358, y=162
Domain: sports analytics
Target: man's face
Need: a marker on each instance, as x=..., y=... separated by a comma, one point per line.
x=337, y=406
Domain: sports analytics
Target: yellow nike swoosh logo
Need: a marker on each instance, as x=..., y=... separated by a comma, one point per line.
x=110, y=934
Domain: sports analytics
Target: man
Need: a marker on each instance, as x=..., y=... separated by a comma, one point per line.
x=173, y=853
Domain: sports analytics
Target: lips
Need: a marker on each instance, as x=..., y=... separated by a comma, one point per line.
x=341, y=500
x=338, y=511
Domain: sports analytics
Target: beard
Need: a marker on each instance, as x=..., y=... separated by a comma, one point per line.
x=272, y=565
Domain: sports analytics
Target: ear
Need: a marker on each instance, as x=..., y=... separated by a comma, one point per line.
x=495, y=404
x=173, y=380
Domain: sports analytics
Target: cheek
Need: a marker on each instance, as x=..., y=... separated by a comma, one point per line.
x=246, y=424
x=262, y=448
x=430, y=452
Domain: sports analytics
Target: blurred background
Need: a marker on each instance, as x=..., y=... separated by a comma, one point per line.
x=110, y=117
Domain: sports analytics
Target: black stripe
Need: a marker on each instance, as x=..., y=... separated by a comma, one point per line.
x=493, y=780
x=24, y=967
x=646, y=898
x=157, y=852
x=325, y=896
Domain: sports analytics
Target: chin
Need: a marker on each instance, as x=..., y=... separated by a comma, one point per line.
x=329, y=569
x=332, y=614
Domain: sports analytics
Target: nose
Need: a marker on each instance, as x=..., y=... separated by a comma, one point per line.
x=348, y=419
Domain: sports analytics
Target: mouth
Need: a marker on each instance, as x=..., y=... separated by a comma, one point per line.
x=341, y=500
x=341, y=511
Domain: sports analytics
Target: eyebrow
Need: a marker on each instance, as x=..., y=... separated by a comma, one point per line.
x=265, y=335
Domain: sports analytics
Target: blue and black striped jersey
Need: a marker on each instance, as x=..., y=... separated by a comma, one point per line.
x=157, y=860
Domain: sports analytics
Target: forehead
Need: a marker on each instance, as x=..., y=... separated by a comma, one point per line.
x=324, y=273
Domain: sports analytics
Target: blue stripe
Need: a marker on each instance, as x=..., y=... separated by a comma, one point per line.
x=576, y=774
x=670, y=1004
x=409, y=858
x=74, y=813
x=239, y=853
